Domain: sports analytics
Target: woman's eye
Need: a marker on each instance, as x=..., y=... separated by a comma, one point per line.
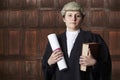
x=69, y=15
x=78, y=16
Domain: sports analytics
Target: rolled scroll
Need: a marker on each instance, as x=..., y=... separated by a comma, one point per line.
x=52, y=38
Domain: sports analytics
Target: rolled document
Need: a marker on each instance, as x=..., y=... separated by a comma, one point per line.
x=52, y=38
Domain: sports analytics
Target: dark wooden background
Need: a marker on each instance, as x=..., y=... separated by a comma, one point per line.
x=25, y=24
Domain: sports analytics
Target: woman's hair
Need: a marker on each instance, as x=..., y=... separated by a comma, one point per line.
x=72, y=6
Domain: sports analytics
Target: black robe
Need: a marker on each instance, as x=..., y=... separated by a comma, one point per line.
x=100, y=71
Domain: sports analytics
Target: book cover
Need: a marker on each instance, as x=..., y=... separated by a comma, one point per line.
x=93, y=47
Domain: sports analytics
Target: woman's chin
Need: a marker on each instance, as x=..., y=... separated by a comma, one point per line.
x=72, y=29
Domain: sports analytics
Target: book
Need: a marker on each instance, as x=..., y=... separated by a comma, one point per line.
x=89, y=49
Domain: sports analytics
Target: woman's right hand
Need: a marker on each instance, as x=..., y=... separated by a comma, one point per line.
x=55, y=57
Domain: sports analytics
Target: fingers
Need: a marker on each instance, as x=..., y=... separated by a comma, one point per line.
x=87, y=61
x=55, y=57
x=57, y=54
x=83, y=60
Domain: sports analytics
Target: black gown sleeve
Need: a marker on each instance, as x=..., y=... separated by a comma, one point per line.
x=48, y=71
x=102, y=69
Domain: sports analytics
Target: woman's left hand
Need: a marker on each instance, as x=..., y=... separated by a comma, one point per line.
x=87, y=60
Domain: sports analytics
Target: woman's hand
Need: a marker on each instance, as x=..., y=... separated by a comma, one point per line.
x=55, y=57
x=87, y=60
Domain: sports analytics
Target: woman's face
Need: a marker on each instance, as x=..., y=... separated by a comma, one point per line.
x=72, y=19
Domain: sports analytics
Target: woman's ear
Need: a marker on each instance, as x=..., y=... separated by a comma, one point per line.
x=63, y=19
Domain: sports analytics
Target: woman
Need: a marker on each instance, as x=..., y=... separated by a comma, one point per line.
x=71, y=44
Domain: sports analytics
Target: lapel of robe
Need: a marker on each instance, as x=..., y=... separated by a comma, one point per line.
x=64, y=44
x=77, y=48
x=77, y=45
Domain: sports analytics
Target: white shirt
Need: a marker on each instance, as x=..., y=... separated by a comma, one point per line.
x=71, y=37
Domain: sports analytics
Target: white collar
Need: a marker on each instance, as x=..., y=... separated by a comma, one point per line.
x=73, y=32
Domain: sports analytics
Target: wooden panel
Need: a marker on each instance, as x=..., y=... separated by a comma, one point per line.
x=114, y=4
x=2, y=71
x=3, y=18
x=14, y=42
x=114, y=44
x=62, y=2
x=116, y=70
x=41, y=70
x=31, y=4
x=16, y=4
x=12, y=79
x=1, y=41
x=98, y=18
x=97, y=4
x=30, y=78
x=47, y=4
x=100, y=32
x=3, y=4
x=114, y=19
x=29, y=45
x=47, y=19
x=30, y=69
x=82, y=2
x=13, y=68
x=15, y=18
x=6, y=40
x=59, y=30
x=31, y=18
x=10, y=69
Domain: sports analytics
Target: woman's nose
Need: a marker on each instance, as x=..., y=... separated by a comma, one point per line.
x=74, y=18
